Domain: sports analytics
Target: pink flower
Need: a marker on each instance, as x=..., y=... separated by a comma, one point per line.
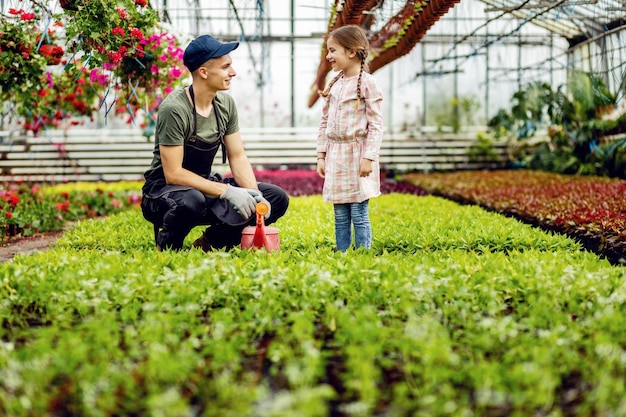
x=93, y=74
x=175, y=72
x=122, y=13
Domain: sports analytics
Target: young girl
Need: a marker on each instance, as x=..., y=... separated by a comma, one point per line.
x=349, y=138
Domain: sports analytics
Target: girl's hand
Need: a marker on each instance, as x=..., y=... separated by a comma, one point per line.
x=321, y=167
x=366, y=167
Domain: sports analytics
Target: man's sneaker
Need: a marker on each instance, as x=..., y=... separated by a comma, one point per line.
x=203, y=244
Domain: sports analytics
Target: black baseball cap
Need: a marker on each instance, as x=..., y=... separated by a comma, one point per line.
x=203, y=48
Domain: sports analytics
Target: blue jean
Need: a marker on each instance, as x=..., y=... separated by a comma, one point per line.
x=347, y=215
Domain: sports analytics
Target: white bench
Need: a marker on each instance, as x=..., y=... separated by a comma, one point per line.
x=124, y=154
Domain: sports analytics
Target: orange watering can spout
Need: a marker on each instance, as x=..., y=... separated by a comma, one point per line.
x=259, y=236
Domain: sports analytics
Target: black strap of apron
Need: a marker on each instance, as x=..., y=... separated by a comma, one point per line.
x=220, y=132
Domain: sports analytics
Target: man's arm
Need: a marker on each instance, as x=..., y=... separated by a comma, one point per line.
x=175, y=174
x=242, y=199
x=238, y=161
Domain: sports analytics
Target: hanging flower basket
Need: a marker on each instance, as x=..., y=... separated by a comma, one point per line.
x=114, y=57
x=22, y=66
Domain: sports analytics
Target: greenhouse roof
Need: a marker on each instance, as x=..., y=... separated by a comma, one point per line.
x=576, y=20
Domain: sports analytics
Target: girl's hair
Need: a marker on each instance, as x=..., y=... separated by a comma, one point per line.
x=354, y=38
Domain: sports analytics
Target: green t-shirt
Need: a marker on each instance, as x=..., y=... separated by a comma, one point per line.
x=175, y=123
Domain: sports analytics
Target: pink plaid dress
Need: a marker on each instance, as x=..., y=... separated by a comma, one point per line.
x=346, y=135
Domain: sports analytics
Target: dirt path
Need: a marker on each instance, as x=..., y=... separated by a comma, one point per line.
x=27, y=245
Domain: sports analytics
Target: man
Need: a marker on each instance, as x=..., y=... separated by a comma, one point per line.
x=192, y=124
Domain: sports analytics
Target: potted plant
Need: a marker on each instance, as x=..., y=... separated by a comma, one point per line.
x=561, y=130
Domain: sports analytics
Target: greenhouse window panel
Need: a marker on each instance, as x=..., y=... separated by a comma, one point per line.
x=572, y=19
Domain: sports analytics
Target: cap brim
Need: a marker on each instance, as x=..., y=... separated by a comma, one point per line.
x=225, y=49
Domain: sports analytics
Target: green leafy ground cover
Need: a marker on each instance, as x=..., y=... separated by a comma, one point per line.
x=456, y=311
x=590, y=209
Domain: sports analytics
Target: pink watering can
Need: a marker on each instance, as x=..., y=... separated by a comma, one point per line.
x=260, y=236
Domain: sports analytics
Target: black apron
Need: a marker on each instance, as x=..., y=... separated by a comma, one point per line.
x=198, y=158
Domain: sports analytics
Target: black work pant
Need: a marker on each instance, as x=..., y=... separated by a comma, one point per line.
x=176, y=213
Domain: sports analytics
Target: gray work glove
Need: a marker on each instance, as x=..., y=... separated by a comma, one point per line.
x=258, y=197
x=242, y=201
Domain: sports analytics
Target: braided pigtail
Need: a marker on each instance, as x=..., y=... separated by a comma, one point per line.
x=363, y=55
x=330, y=85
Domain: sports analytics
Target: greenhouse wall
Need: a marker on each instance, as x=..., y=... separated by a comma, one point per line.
x=461, y=57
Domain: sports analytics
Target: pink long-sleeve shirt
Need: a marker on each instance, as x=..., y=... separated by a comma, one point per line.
x=346, y=135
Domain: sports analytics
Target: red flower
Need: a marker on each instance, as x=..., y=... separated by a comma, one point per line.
x=136, y=33
x=141, y=3
x=79, y=106
x=118, y=31
x=54, y=53
x=13, y=200
x=8, y=215
x=115, y=57
x=28, y=16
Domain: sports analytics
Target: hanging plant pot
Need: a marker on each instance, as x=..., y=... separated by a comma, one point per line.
x=68, y=4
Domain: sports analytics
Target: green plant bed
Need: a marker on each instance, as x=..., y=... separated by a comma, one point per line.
x=454, y=311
